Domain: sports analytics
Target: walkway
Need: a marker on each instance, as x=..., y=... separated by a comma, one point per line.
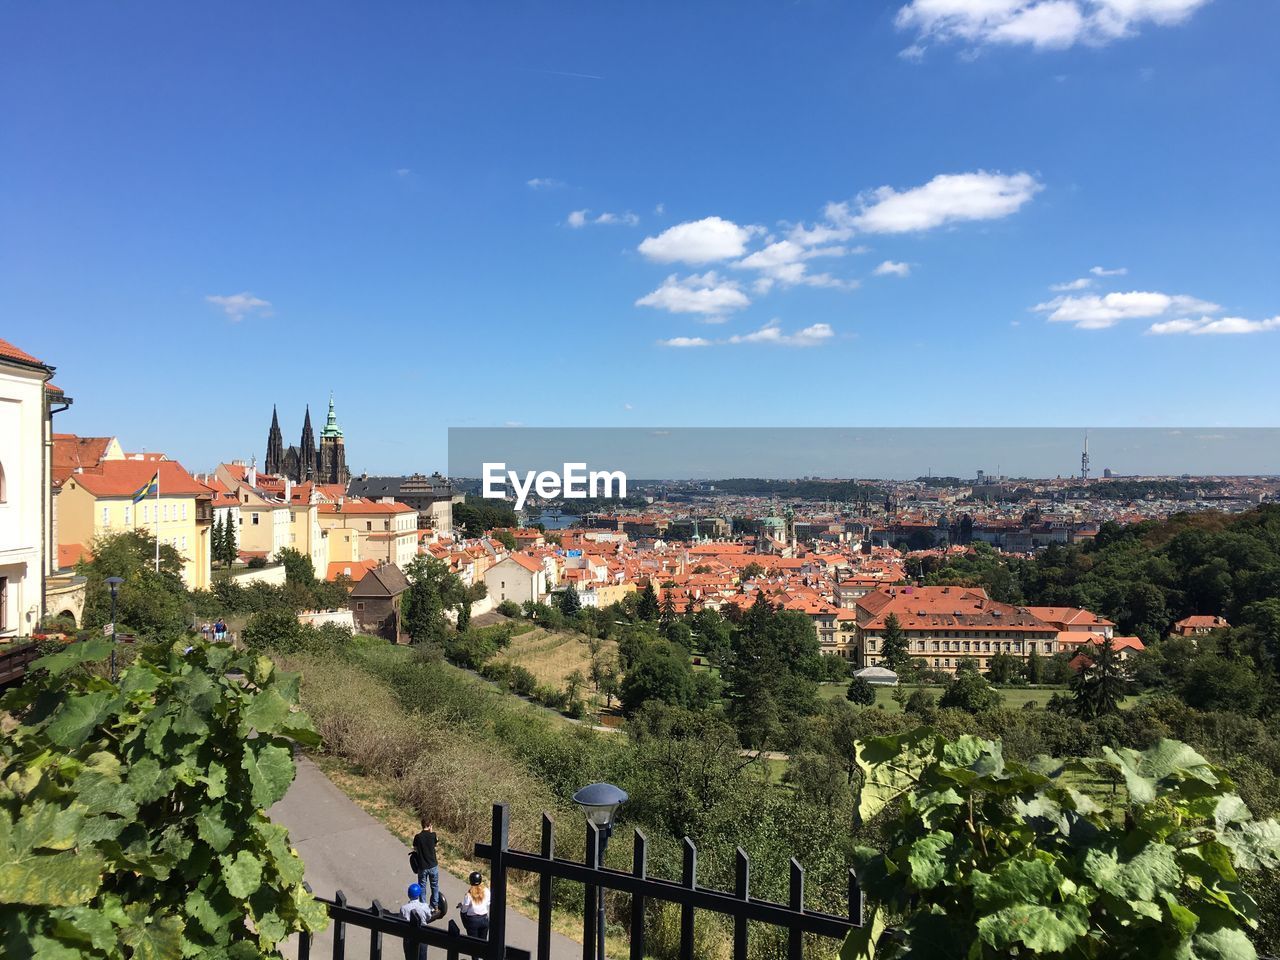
x=344, y=848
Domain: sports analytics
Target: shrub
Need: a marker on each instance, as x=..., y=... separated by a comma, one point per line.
x=997, y=859
x=860, y=692
x=522, y=681
x=133, y=818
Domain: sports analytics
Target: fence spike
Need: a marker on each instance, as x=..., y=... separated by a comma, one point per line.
x=548, y=852
x=689, y=878
x=741, y=890
x=639, y=868
x=795, y=946
x=855, y=898
x=497, y=947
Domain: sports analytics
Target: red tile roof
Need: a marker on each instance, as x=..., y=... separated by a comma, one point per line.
x=71, y=453
x=9, y=352
x=121, y=478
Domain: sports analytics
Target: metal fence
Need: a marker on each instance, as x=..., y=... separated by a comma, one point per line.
x=737, y=904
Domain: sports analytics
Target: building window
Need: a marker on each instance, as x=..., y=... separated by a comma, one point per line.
x=368, y=525
x=184, y=510
x=3, y=488
x=106, y=516
x=359, y=604
x=255, y=519
x=4, y=603
x=128, y=514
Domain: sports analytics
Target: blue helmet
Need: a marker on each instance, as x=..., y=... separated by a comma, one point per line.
x=415, y=891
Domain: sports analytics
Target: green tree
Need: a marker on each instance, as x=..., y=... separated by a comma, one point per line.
x=432, y=590
x=150, y=605
x=1004, y=668
x=275, y=629
x=860, y=692
x=133, y=822
x=895, y=648
x=217, y=540
x=647, y=609
x=230, y=542
x=1099, y=686
x=569, y=601
x=298, y=568
x=970, y=691
x=663, y=674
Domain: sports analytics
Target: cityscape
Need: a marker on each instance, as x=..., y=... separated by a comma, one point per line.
x=785, y=480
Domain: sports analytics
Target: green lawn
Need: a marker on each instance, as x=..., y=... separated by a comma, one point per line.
x=1014, y=697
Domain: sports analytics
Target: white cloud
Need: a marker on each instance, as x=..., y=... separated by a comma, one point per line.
x=1078, y=284
x=783, y=261
x=544, y=183
x=891, y=268
x=698, y=241
x=706, y=293
x=237, y=306
x=1105, y=272
x=403, y=172
x=1095, y=312
x=771, y=334
x=1215, y=326
x=580, y=218
x=660, y=209
x=1042, y=24
x=947, y=198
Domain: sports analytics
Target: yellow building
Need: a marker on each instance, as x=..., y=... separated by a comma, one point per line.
x=386, y=532
x=99, y=501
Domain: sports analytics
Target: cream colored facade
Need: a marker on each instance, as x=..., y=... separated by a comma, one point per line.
x=384, y=531
x=100, y=502
x=25, y=503
x=307, y=536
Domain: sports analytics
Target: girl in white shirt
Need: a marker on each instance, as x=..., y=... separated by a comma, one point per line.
x=475, y=907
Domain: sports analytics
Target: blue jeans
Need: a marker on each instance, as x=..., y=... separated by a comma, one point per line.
x=432, y=876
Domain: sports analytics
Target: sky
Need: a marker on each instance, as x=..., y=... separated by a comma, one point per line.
x=815, y=213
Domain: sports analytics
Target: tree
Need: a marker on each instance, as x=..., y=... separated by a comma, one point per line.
x=751, y=571
x=217, y=540
x=648, y=606
x=274, y=629
x=230, y=542
x=970, y=692
x=895, y=648
x=138, y=825
x=298, y=568
x=661, y=673
x=1034, y=669
x=432, y=590
x=150, y=605
x=569, y=601
x=1004, y=668
x=860, y=692
x=1099, y=686
x=667, y=611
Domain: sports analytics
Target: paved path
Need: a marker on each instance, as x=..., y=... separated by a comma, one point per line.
x=344, y=848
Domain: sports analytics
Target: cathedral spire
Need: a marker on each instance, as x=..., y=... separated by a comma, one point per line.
x=306, y=450
x=275, y=445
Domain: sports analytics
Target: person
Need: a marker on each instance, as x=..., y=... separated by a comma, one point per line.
x=219, y=630
x=415, y=908
x=205, y=630
x=424, y=845
x=475, y=907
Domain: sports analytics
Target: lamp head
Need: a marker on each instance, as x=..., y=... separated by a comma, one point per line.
x=600, y=801
x=114, y=584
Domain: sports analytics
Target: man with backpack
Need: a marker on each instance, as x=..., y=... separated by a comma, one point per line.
x=422, y=860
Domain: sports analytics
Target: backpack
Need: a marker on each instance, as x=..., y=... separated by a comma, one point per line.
x=415, y=863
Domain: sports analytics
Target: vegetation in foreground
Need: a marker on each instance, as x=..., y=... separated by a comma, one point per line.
x=132, y=813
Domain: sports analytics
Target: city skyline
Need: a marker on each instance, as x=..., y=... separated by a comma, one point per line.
x=575, y=216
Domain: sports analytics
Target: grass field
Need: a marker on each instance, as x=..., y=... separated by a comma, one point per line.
x=1014, y=697
x=551, y=656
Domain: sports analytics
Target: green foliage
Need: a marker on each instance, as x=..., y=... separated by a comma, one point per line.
x=647, y=608
x=298, y=568
x=860, y=692
x=509, y=608
x=993, y=858
x=969, y=691
x=149, y=605
x=432, y=590
x=1100, y=685
x=132, y=815
x=661, y=673
x=476, y=515
x=569, y=601
x=895, y=648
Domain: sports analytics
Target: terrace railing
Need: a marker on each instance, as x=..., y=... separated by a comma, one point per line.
x=687, y=893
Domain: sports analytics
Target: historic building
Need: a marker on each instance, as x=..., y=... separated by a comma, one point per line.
x=303, y=462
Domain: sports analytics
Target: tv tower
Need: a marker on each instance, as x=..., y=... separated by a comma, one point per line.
x=1084, y=458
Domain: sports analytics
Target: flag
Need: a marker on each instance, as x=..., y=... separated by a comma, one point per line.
x=148, y=489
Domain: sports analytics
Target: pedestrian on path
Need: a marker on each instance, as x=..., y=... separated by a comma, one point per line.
x=415, y=908
x=424, y=846
x=475, y=907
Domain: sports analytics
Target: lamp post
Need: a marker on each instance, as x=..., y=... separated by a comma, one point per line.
x=114, y=584
x=600, y=801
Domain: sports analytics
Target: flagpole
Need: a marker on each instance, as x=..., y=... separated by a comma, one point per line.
x=157, y=519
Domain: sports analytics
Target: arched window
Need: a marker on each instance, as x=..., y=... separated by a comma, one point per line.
x=3, y=489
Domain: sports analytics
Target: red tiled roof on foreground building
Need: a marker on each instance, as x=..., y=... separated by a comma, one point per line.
x=9, y=352
x=123, y=478
x=923, y=608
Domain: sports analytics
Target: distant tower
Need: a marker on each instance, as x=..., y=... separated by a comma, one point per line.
x=332, y=465
x=1084, y=459
x=275, y=445
x=307, y=447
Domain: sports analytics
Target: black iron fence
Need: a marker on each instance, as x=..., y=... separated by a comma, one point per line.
x=686, y=893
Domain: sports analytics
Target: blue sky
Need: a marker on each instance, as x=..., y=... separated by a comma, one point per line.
x=462, y=215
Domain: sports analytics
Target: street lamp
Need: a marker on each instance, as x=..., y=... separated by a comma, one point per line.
x=114, y=584
x=600, y=801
